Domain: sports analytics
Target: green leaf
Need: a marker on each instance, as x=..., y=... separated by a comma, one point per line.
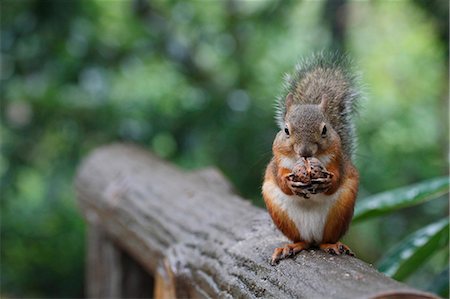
x=390, y=201
x=439, y=285
x=411, y=253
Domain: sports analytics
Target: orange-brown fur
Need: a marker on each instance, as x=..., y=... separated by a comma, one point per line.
x=281, y=175
x=334, y=166
x=280, y=217
x=345, y=178
x=315, y=120
x=341, y=213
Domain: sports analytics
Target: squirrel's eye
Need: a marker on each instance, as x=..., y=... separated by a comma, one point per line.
x=286, y=130
x=324, y=131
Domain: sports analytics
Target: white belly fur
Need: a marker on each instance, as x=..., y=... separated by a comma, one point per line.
x=309, y=215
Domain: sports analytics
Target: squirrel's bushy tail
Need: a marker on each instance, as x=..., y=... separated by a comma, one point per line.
x=330, y=75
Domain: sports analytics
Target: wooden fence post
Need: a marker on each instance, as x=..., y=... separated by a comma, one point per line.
x=111, y=272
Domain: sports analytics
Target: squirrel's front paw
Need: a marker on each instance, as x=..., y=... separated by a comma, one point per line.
x=298, y=188
x=320, y=185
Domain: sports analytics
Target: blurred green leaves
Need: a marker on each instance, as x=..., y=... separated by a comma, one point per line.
x=439, y=284
x=195, y=82
x=410, y=254
x=392, y=200
x=42, y=235
x=406, y=258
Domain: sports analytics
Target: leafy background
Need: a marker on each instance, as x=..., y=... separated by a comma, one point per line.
x=195, y=82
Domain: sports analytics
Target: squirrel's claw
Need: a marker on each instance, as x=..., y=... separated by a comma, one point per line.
x=320, y=185
x=279, y=254
x=337, y=248
x=298, y=188
x=299, y=184
x=288, y=250
x=321, y=181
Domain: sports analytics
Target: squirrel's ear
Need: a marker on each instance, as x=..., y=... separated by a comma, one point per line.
x=323, y=103
x=289, y=100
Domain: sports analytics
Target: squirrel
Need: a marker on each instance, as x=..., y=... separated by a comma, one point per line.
x=314, y=115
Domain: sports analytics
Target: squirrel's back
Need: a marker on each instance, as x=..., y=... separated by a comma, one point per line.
x=330, y=76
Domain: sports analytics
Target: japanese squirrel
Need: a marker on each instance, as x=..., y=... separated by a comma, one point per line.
x=315, y=119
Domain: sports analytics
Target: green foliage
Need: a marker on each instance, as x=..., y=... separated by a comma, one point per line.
x=195, y=82
x=439, y=285
x=406, y=258
x=42, y=234
x=411, y=253
x=390, y=201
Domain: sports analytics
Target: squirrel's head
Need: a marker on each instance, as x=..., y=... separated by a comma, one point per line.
x=307, y=132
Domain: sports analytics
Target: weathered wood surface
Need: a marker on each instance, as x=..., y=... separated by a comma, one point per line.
x=111, y=273
x=200, y=239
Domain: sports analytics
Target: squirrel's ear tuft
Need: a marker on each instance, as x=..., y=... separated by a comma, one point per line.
x=323, y=103
x=289, y=100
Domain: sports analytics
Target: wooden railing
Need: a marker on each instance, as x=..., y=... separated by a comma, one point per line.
x=157, y=231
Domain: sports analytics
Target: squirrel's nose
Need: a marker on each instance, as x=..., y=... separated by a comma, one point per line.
x=307, y=150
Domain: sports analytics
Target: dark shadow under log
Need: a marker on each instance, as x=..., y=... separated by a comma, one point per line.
x=199, y=239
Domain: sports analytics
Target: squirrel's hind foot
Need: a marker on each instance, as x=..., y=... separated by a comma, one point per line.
x=288, y=250
x=337, y=248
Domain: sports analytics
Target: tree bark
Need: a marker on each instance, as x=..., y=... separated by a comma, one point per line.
x=203, y=240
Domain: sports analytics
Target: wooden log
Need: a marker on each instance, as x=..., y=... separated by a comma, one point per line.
x=209, y=241
x=110, y=272
x=103, y=266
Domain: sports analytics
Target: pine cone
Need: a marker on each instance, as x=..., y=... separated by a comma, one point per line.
x=307, y=169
